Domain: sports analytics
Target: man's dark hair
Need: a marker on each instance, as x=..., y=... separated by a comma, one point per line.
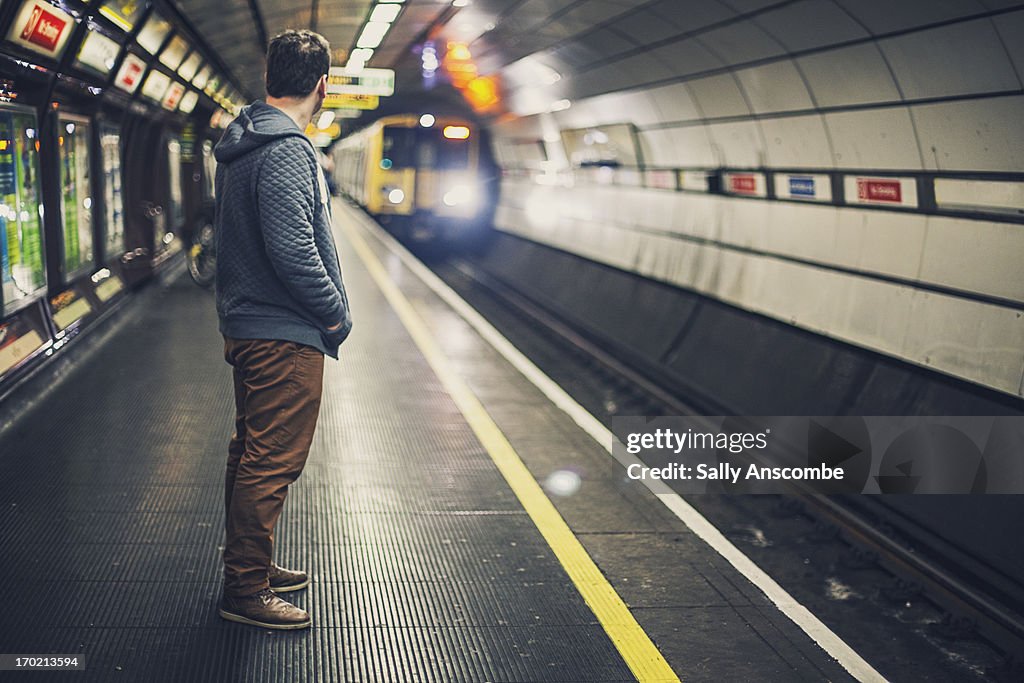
x=295, y=62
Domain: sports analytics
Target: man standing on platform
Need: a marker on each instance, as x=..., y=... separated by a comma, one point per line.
x=282, y=307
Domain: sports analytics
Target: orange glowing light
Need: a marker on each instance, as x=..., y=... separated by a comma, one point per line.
x=456, y=132
x=459, y=51
x=3, y=145
x=482, y=92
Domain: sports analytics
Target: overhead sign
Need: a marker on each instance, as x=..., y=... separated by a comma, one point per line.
x=881, y=191
x=362, y=82
x=806, y=186
x=339, y=101
x=130, y=73
x=348, y=113
x=42, y=28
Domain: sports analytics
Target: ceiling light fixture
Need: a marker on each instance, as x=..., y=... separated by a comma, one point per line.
x=372, y=34
x=385, y=13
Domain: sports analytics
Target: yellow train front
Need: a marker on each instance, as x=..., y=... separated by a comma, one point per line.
x=421, y=176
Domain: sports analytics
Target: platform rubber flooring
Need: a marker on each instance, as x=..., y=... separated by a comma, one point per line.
x=424, y=565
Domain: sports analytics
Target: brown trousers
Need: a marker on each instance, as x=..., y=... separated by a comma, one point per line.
x=278, y=385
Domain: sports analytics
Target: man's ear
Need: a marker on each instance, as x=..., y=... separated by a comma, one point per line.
x=322, y=86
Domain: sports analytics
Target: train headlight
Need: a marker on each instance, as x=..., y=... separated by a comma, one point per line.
x=460, y=195
x=396, y=196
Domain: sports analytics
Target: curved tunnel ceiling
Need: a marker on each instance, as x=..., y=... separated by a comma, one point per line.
x=237, y=29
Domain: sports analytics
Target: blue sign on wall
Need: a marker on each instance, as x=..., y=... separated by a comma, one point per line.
x=801, y=186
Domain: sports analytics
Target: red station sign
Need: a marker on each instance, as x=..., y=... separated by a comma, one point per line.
x=879, y=190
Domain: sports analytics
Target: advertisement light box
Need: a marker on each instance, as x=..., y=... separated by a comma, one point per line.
x=41, y=28
x=156, y=85
x=98, y=52
x=130, y=73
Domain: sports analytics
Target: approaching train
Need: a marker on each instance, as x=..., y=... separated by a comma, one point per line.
x=424, y=177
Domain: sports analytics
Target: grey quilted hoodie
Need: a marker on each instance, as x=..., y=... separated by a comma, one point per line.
x=278, y=275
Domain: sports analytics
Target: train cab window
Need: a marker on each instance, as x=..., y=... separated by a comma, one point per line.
x=399, y=148
x=453, y=155
x=21, y=244
x=176, y=215
x=76, y=194
x=444, y=154
x=110, y=144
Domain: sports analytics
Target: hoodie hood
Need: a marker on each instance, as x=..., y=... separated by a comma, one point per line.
x=256, y=125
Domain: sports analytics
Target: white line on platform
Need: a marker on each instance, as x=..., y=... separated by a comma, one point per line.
x=835, y=646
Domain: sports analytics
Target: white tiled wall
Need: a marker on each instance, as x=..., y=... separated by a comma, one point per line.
x=938, y=88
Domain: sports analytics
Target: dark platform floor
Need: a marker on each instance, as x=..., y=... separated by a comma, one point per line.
x=425, y=565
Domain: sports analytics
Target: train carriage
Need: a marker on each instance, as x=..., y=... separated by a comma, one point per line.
x=424, y=177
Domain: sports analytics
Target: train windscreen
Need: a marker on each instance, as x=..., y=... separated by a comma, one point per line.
x=423, y=148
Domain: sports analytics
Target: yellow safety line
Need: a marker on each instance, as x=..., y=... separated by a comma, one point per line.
x=636, y=648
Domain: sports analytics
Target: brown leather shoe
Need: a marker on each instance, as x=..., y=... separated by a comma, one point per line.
x=284, y=580
x=266, y=610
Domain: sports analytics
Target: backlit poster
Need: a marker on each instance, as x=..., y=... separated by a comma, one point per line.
x=22, y=273
x=130, y=74
x=110, y=146
x=76, y=195
x=98, y=52
x=156, y=85
x=152, y=35
x=124, y=13
x=41, y=28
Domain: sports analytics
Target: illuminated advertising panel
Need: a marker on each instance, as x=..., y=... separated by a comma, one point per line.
x=174, y=53
x=98, y=52
x=212, y=85
x=41, y=28
x=152, y=35
x=190, y=66
x=76, y=195
x=173, y=96
x=21, y=242
x=156, y=85
x=881, y=191
x=189, y=101
x=203, y=77
x=130, y=74
x=123, y=13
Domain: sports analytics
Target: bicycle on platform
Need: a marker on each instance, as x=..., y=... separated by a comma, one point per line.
x=202, y=253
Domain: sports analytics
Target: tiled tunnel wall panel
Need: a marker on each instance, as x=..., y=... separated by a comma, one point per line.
x=815, y=84
x=720, y=358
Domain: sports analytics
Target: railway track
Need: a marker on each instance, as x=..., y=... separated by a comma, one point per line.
x=970, y=608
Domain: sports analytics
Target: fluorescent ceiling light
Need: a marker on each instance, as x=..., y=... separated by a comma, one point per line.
x=385, y=13
x=360, y=54
x=373, y=33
